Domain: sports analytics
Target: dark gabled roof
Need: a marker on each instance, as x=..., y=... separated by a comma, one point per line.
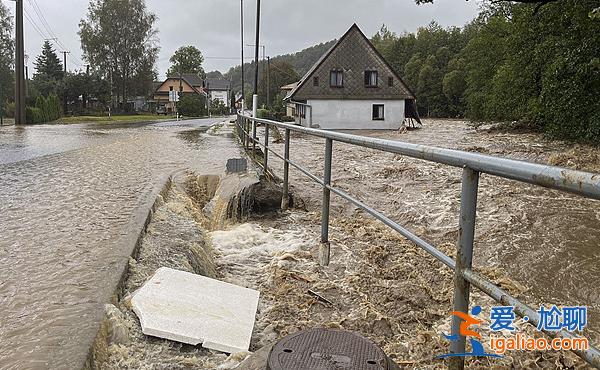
x=351, y=53
x=217, y=84
x=192, y=79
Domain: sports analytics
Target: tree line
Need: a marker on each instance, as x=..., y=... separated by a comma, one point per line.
x=531, y=65
x=120, y=46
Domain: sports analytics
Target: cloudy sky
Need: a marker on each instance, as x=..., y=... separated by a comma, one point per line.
x=213, y=25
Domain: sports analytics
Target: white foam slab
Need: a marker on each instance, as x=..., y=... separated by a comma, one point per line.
x=194, y=309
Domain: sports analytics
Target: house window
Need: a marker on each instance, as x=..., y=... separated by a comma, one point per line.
x=337, y=79
x=170, y=88
x=390, y=81
x=315, y=81
x=371, y=78
x=378, y=112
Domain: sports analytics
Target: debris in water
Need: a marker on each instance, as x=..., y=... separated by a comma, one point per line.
x=194, y=309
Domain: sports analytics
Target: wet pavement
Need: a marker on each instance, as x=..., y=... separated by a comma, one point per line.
x=72, y=199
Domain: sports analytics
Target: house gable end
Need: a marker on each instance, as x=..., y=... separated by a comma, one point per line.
x=175, y=82
x=354, y=54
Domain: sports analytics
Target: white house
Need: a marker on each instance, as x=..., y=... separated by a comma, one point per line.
x=352, y=87
x=218, y=89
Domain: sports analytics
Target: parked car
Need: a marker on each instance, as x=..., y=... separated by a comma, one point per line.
x=161, y=110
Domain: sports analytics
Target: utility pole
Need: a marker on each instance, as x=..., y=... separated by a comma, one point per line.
x=64, y=79
x=257, y=45
x=85, y=95
x=20, y=102
x=242, y=37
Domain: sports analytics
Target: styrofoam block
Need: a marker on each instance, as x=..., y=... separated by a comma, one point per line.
x=194, y=309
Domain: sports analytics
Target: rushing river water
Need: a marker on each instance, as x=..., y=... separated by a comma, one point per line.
x=71, y=201
x=546, y=240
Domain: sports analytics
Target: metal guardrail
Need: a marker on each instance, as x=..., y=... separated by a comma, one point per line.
x=577, y=182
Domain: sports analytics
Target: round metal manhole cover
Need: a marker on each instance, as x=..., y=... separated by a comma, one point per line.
x=327, y=349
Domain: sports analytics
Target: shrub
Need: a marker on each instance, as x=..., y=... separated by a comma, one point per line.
x=288, y=119
x=263, y=113
x=9, y=110
x=191, y=105
x=33, y=115
x=217, y=108
x=45, y=110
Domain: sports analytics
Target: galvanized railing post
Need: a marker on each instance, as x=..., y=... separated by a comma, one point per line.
x=464, y=259
x=324, y=250
x=253, y=136
x=285, y=200
x=247, y=128
x=266, y=157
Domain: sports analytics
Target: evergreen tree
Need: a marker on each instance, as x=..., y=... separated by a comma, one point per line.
x=48, y=65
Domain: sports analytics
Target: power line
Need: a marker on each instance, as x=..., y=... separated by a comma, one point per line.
x=46, y=26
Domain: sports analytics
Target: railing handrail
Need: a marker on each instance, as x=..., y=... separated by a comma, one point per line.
x=577, y=182
x=582, y=183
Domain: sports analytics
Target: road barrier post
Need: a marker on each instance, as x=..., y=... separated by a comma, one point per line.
x=464, y=259
x=285, y=200
x=325, y=248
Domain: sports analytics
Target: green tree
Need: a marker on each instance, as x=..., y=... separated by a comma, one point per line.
x=187, y=59
x=7, y=53
x=120, y=41
x=192, y=105
x=49, y=72
x=281, y=73
x=47, y=64
x=214, y=74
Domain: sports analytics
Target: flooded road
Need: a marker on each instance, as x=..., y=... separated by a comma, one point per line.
x=546, y=240
x=72, y=199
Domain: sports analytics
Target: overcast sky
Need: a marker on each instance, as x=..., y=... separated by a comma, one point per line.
x=213, y=25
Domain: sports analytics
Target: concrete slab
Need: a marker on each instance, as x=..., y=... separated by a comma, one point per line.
x=194, y=309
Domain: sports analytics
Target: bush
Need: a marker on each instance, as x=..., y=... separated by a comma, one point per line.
x=45, y=110
x=9, y=110
x=288, y=119
x=192, y=105
x=218, y=108
x=263, y=113
x=34, y=115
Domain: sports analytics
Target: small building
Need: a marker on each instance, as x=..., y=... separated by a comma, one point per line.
x=352, y=87
x=184, y=83
x=218, y=89
x=290, y=108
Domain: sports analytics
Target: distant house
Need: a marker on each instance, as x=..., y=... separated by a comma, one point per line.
x=184, y=83
x=218, y=89
x=352, y=87
x=290, y=108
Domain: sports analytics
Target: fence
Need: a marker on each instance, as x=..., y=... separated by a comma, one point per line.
x=577, y=182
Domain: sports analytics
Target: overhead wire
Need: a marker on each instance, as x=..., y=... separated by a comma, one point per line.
x=44, y=25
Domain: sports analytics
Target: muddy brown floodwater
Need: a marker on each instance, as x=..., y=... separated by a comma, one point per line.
x=546, y=240
x=71, y=202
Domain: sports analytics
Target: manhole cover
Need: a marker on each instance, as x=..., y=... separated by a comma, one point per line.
x=325, y=349
x=237, y=165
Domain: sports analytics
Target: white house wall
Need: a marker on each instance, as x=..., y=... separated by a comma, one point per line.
x=356, y=114
x=221, y=95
